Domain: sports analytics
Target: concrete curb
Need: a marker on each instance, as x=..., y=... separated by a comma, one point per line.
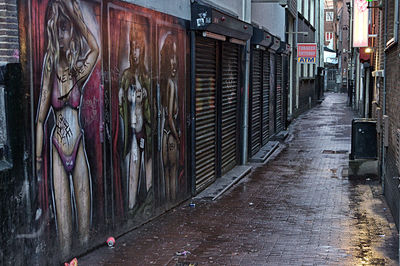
x=222, y=184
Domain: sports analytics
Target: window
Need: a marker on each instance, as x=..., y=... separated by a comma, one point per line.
x=329, y=16
x=312, y=13
x=305, y=70
x=328, y=36
x=329, y=4
x=306, y=10
x=393, y=36
x=3, y=126
x=4, y=151
x=299, y=6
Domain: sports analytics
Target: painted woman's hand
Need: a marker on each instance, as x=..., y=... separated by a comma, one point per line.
x=39, y=168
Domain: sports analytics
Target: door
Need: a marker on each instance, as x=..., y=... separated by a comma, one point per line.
x=229, y=115
x=285, y=89
x=266, y=76
x=255, y=104
x=272, y=95
x=206, y=112
x=279, y=87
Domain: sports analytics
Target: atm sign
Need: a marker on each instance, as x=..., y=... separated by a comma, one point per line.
x=306, y=59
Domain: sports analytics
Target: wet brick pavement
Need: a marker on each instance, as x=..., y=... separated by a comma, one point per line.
x=300, y=208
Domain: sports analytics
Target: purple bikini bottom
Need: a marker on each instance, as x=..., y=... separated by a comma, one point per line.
x=68, y=160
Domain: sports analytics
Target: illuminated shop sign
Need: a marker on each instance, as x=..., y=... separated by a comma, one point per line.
x=360, y=33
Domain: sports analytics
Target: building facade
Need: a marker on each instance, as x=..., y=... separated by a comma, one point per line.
x=374, y=95
x=385, y=100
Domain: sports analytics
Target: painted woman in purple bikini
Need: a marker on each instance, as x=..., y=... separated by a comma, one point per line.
x=72, y=53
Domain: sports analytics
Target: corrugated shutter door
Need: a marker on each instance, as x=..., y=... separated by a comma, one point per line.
x=255, y=128
x=279, y=99
x=285, y=71
x=230, y=81
x=265, y=97
x=272, y=94
x=206, y=112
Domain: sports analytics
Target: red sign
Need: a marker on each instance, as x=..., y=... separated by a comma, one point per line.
x=307, y=50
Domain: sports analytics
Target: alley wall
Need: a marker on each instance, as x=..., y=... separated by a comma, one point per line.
x=96, y=126
x=94, y=73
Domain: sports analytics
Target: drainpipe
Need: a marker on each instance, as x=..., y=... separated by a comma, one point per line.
x=396, y=21
x=246, y=104
x=245, y=118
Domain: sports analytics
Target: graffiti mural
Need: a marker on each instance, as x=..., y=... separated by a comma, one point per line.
x=171, y=86
x=131, y=86
x=67, y=81
x=108, y=82
x=144, y=63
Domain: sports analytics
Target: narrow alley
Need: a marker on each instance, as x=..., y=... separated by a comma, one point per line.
x=300, y=208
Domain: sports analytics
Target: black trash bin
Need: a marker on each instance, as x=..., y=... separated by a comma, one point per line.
x=363, y=139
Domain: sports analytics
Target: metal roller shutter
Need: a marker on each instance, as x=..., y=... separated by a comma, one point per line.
x=279, y=86
x=255, y=109
x=285, y=89
x=272, y=94
x=265, y=97
x=206, y=112
x=229, y=82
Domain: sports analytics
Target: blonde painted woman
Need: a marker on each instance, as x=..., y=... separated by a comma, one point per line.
x=71, y=55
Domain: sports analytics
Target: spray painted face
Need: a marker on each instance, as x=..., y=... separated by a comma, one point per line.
x=173, y=61
x=139, y=95
x=135, y=52
x=64, y=33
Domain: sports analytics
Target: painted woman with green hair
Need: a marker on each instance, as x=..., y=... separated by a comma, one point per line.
x=134, y=109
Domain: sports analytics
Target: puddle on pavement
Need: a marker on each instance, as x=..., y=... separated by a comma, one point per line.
x=334, y=152
x=369, y=232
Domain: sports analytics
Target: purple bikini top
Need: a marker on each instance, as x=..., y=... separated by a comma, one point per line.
x=71, y=98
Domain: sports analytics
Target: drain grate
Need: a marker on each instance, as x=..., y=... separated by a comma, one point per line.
x=334, y=152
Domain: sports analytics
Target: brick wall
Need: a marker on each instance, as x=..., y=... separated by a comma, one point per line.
x=392, y=76
x=9, y=44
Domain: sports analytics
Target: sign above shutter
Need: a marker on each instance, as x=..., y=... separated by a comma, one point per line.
x=207, y=18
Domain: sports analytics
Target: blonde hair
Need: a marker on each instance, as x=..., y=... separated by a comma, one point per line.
x=54, y=11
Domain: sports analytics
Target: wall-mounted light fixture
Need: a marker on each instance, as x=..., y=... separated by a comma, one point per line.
x=368, y=50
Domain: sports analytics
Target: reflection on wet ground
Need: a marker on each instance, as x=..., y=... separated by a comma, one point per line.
x=300, y=208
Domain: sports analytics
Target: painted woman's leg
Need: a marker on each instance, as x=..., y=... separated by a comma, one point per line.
x=173, y=162
x=166, y=167
x=81, y=179
x=62, y=197
x=134, y=167
x=149, y=173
